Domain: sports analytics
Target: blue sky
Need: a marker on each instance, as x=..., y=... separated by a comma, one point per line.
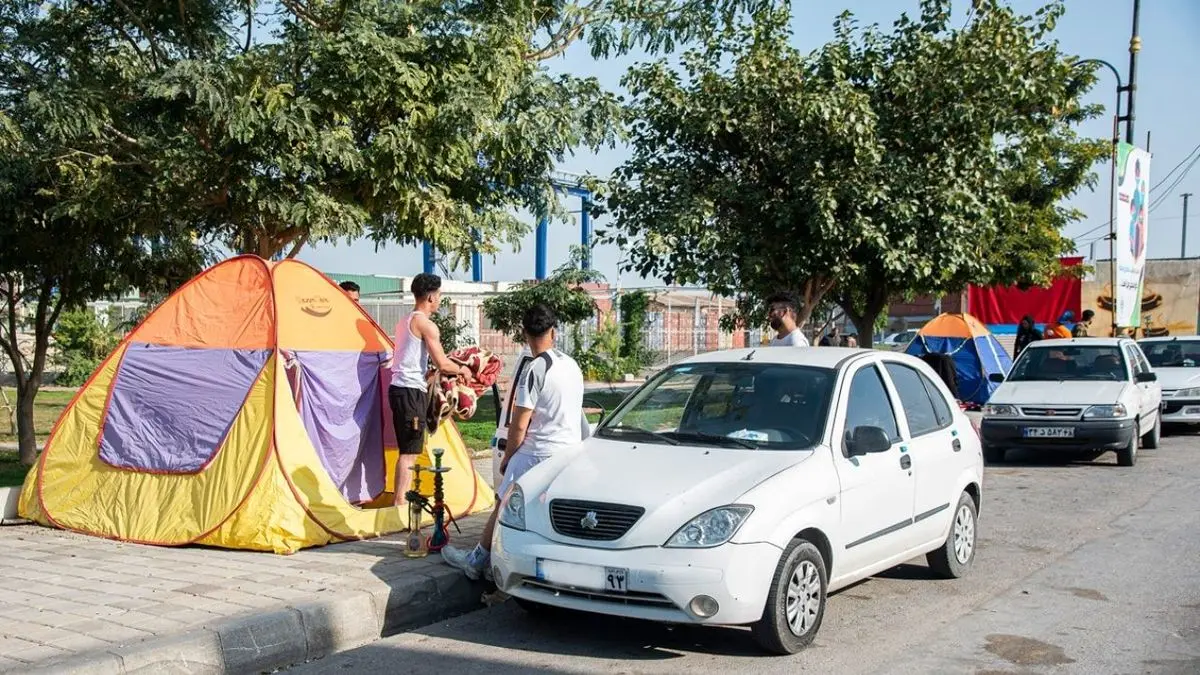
x=1167, y=105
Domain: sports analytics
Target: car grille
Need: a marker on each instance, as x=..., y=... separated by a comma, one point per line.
x=1172, y=408
x=612, y=521
x=1051, y=412
x=630, y=598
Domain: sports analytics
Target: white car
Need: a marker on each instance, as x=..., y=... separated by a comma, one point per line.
x=1176, y=360
x=741, y=487
x=899, y=341
x=1086, y=394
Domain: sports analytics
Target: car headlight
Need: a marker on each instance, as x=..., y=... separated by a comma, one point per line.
x=1000, y=410
x=1105, y=411
x=711, y=528
x=1188, y=393
x=512, y=514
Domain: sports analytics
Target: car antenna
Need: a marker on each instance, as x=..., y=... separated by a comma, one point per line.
x=750, y=355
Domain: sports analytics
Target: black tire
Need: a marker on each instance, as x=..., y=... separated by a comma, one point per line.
x=953, y=559
x=1127, y=456
x=773, y=631
x=993, y=455
x=1151, y=440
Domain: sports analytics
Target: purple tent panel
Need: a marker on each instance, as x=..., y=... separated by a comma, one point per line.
x=170, y=408
x=343, y=414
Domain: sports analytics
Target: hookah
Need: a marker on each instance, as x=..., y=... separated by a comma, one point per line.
x=441, y=535
x=415, y=546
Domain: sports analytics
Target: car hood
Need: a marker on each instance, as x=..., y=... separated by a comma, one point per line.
x=1178, y=378
x=1066, y=393
x=672, y=483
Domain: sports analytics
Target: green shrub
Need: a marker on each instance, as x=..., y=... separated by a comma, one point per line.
x=83, y=342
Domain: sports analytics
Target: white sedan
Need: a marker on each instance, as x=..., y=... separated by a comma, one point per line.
x=1176, y=361
x=741, y=487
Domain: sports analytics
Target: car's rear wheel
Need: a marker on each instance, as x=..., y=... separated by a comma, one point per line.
x=993, y=455
x=796, y=602
x=1127, y=456
x=954, y=557
x=1150, y=440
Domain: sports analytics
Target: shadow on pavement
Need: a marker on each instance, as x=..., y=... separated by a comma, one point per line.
x=1019, y=458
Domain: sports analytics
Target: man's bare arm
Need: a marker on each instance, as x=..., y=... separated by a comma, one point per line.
x=429, y=332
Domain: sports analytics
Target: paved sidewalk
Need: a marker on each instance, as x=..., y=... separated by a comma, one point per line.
x=75, y=603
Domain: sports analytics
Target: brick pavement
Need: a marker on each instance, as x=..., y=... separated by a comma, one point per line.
x=64, y=594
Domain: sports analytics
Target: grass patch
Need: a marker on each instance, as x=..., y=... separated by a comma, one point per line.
x=12, y=473
x=477, y=432
x=46, y=408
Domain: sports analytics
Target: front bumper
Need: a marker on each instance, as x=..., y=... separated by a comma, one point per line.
x=1089, y=434
x=1181, y=411
x=661, y=581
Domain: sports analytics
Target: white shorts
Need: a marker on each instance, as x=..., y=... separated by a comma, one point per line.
x=517, y=466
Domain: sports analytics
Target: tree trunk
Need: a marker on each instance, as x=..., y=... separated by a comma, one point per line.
x=26, y=438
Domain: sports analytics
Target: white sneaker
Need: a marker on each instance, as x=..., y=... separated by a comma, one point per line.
x=460, y=559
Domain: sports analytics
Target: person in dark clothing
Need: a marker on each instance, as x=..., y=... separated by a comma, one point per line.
x=943, y=365
x=1026, y=334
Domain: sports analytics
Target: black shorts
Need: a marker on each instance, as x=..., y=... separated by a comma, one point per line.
x=409, y=409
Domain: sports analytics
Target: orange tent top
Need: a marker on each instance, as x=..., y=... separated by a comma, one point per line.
x=954, y=326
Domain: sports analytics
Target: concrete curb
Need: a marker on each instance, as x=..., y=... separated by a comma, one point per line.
x=276, y=638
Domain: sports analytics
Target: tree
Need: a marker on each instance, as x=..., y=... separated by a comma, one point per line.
x=881, y=165
x=562, y=292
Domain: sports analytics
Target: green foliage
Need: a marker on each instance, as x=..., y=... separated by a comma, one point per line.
x=82, y=342
x=913, y=161
x=453, y=333
x=633, y=326
x=601, y=361
x=561, y=291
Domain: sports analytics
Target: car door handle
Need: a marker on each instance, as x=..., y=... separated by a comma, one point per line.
x=957, y=445
x=905, y=462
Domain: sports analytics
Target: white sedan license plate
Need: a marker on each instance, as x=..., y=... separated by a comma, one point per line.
x=593, y=577
x=1049, y=432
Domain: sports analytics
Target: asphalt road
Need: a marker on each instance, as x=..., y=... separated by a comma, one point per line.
x=1082, y=568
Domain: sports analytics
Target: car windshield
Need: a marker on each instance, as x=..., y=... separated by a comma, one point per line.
x=1173, y=354
x=746, y=405
x=1069, y=362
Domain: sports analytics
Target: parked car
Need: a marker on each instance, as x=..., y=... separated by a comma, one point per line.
x=741, y=487
x=1090, y=394
x=1176, y=360
x=899, y=341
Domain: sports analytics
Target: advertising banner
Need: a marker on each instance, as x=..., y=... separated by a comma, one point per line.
x=1169, y=302
x=1132, y=225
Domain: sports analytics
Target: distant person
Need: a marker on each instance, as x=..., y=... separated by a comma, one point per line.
x=1058, y=329
x=418, y=342
x=351, y=289
x=1085, y=323
x=852, y=341
x=833, y=338
x=545, y=422
x=782, y=310
x=1026, y=334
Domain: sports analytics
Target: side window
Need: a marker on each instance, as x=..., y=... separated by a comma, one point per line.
x=1135, y=363
x=940, y=407
x=918, y=408
x=1141, y=359
x=869, y=404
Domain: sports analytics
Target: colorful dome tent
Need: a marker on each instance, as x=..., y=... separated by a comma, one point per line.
x=975, y=351
x=247, y=411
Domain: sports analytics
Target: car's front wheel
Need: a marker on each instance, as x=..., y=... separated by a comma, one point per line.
x=1127, y=456
x=954, y=557
x=1151, y=439
x=796, y=603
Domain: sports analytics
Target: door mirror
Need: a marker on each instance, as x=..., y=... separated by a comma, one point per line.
x=866, y=440
x=1146, y=377
x=998, y=378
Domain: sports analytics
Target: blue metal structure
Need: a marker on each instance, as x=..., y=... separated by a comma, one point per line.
x=569, y=184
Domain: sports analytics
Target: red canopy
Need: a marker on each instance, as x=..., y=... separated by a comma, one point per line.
x=1005, y=305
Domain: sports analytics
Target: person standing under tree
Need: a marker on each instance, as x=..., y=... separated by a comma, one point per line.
x=1026, y=333
x=1085, y=323
x=545, y=422
x=782, y=310
x=418, y=341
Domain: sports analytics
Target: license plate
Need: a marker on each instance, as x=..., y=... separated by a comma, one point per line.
x=591, y=577
x=1049, y=432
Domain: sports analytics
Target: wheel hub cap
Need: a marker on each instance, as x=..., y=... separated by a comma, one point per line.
x=964, y=534
x=803, y=598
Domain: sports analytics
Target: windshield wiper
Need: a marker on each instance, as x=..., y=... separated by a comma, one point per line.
x=714, y=438
x=638, y=430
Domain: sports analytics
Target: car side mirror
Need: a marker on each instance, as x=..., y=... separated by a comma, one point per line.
x=998, y=378
x=866, y=440
x=1146, y=377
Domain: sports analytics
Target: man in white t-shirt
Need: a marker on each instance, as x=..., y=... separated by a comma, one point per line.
x=545, y=421
x=782, y=310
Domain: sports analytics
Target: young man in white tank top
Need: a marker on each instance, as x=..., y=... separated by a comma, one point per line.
x=418, y=342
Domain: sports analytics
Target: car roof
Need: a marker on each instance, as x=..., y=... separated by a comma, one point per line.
x=815, y=357
x=1172, y=338
x=1094, y=341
